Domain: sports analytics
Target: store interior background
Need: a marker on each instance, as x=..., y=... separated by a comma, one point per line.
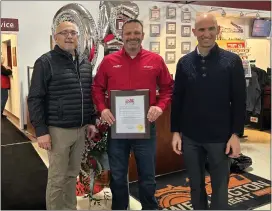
x=33, y=40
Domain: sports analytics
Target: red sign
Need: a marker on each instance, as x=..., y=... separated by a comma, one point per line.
x=235, y=45
x=9, y=24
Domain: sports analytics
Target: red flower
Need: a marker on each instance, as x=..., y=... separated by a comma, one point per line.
x=93, y=163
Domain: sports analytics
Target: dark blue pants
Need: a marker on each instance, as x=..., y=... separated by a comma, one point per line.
x=145, y=152
x=4, y=99
x=195, y=156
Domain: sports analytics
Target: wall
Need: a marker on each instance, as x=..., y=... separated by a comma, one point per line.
x=13, y=103
x=35, y=28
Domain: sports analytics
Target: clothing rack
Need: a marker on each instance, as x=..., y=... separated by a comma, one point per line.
x=261, y=121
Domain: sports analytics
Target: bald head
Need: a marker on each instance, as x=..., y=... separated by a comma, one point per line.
x=205, y=17
x=206, y=30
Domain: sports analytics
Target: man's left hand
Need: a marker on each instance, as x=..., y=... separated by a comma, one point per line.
x=153, y=113
x=233, y=149
x=91, y=130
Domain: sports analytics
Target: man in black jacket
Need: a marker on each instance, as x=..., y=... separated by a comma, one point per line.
x=60, y=109
x=207, y=113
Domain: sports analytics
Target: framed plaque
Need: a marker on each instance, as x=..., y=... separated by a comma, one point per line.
x=130, y=109
x=185, y=30
x=170, y=12
x=185, y=47
x=155, y=30
x=155, y=47
x=170, y=42
x=186, y=16
x=154, y=14
x=170, y=57
x=171, y=28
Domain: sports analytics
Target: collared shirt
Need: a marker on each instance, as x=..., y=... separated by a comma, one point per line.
x=198, y=52
x=118, y=71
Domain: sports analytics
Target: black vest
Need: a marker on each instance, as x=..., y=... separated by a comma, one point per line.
x=68, y=99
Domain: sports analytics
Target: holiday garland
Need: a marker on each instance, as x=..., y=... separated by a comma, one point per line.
x=94, y=164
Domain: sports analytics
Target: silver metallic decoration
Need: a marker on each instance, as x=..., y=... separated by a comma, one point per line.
x=88, y=34
x=109, y=12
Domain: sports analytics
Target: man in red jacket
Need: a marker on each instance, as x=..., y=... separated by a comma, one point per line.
x=5, y=84
x=133, y=68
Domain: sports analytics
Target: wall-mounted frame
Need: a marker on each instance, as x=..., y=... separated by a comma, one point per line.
x=154, y=47
x=155, y=30
x=170, y=42
x=119, y=24
x=186, y=16
x=171, y=27
x=171, y=12
x=170, y=57
x=186, y=30
x=185, y=47
x=154, y=14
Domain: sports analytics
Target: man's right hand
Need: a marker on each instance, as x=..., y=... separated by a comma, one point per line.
x=44, y=142
x=176, y=143
x=107, y=116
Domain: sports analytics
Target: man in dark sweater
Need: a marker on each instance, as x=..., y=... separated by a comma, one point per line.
x=207, y=113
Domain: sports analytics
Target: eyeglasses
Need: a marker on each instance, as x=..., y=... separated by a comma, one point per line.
x=66, y=33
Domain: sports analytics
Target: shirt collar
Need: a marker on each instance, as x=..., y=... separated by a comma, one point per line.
x=213, y=51
x=125, y=53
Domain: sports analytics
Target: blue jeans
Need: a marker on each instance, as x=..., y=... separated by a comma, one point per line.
x=4, y=99
x=145, y=153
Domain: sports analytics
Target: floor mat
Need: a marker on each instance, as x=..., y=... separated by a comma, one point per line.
x=10, y=134
x=23, y=178
x=246, y=191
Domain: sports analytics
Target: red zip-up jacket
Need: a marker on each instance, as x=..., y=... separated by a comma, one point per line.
x=118, y=71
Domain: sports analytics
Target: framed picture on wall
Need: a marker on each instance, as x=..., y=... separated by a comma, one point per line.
x=186, y=16
x=170, y=42
x=154, y=13
x=170, y=57
x=119, y=24
x=170, y=12
x=170, y=27
x=154, y=47
x=185, y=47
x=155, y=30
x=185, y=30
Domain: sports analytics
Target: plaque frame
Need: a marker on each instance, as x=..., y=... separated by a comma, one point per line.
x=122, y=93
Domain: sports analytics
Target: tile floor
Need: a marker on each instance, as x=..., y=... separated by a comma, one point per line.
x=256, y=145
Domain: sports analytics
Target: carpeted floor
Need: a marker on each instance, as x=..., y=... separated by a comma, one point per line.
x=23, y=174
x=10, y=134
x=246, y=191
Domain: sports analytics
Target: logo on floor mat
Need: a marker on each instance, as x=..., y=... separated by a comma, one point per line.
x=243, y=190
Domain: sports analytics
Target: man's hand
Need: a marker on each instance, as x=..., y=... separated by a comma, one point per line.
x=176, y=143
x=91, y=130
x=44, y=142
x=233, y=149
x=107, y=116
x=153, y=113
